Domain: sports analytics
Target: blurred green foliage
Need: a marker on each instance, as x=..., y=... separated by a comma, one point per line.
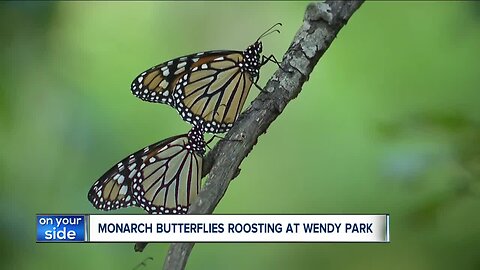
x=387, y=123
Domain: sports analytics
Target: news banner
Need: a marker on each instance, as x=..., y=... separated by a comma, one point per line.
x=213, y=228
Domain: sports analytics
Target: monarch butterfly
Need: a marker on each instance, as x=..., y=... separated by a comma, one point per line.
x=162, y=178
x=208, y=89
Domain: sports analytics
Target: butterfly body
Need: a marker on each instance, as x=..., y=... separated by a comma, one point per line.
x=162, y=178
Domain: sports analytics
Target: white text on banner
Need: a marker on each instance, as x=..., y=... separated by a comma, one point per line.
x=239, y=228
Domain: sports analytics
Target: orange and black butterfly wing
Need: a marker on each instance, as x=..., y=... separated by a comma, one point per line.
x=155, y=84
x=169, y=178
x=158, y=83
x=114, y=189
x=213, y=92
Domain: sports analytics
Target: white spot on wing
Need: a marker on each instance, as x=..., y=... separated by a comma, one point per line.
x=120, y=179
x=123, y=190
x=132, y=173
x=182, y=64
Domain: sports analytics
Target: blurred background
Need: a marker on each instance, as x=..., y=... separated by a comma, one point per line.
x=389, y=122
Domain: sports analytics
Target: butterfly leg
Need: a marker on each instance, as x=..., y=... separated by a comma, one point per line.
x=259, y=87
x=256, y=83
x=271, y=58
x=211, y=139
x=221, y=138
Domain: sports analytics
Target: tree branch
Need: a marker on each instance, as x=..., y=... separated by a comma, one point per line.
x=321, y=24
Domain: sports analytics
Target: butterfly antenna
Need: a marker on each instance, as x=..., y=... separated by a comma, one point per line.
x=269, y=31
